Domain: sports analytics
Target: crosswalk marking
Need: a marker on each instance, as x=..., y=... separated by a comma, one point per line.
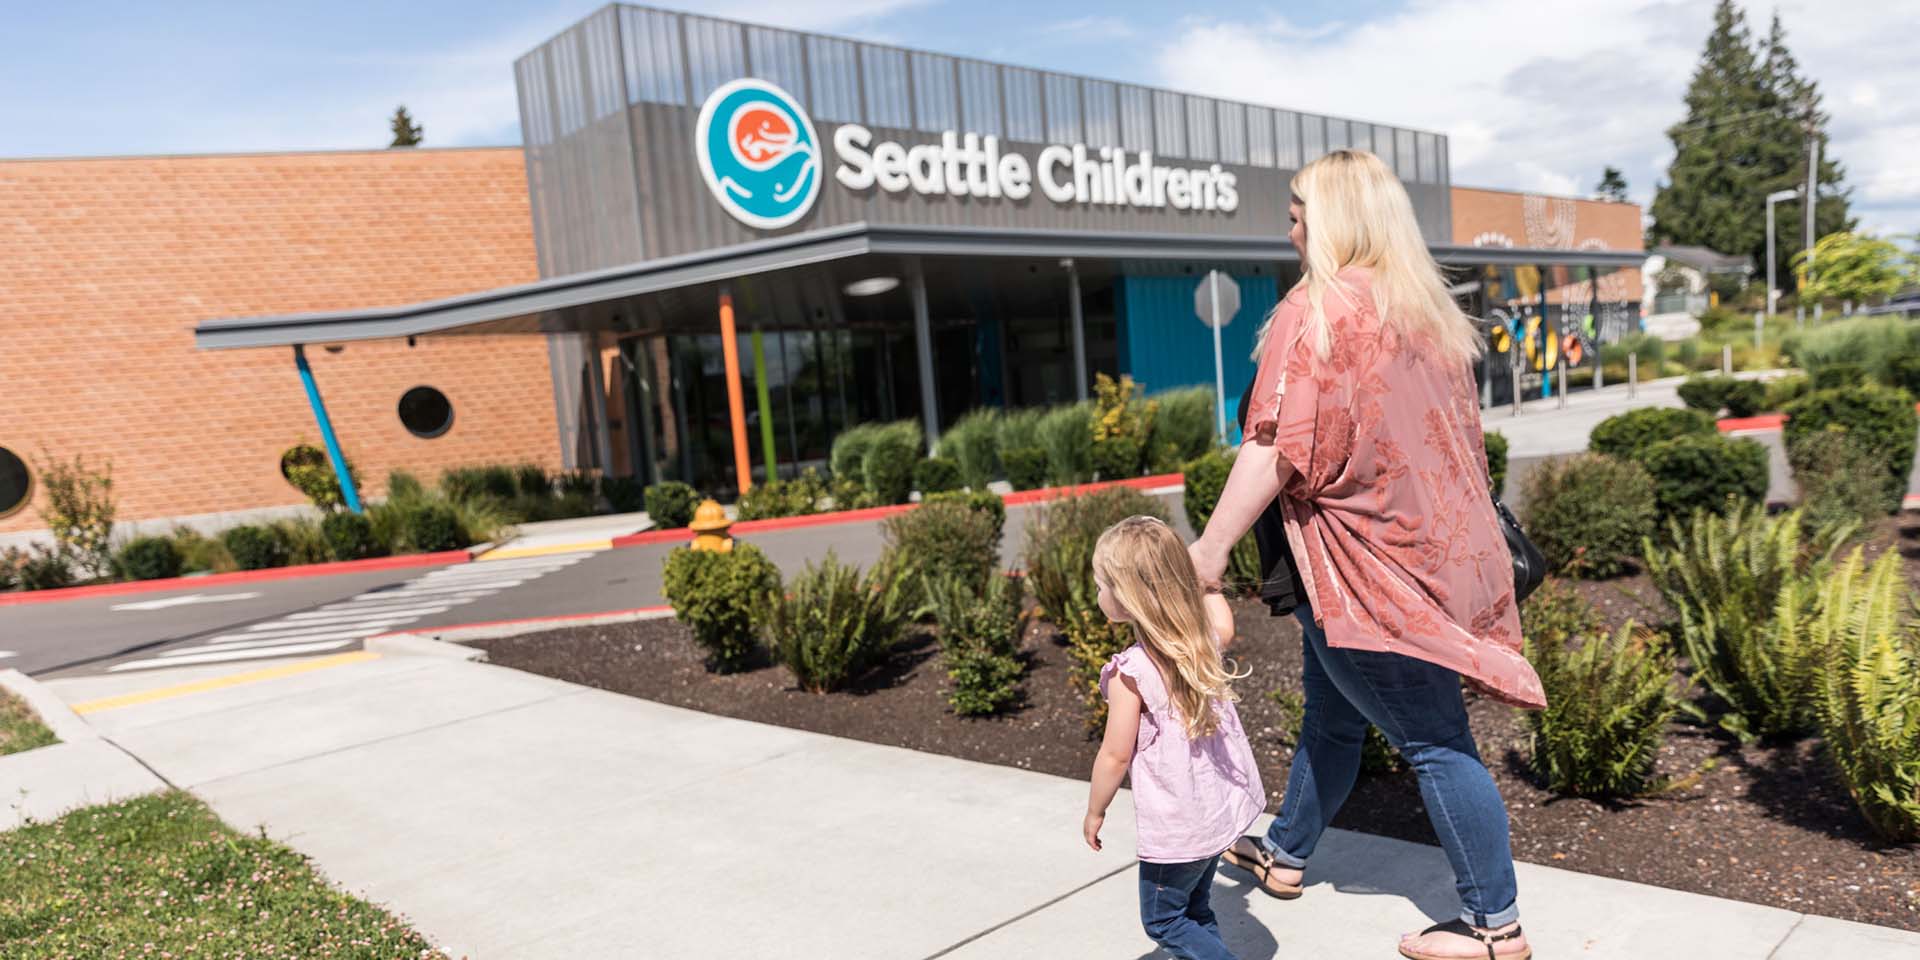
x=335, y=625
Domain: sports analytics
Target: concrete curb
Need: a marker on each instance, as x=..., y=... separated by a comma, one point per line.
x=53, y=711
x=460, y=633
x=414, y=645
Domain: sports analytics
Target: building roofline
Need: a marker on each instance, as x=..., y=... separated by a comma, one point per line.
x=221, y=154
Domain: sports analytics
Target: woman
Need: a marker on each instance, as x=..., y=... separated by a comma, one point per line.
x=1365, y=423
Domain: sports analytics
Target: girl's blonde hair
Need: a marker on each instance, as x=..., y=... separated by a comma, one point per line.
x=1142, y=561
x=1358, y=214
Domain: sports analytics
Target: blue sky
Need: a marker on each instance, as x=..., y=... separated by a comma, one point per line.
x=1536, y=94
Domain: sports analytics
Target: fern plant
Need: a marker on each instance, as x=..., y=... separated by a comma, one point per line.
x=1609, y=702
x=1870, y=697
x=1745, y=586
x=832, y=623
x=980, y=640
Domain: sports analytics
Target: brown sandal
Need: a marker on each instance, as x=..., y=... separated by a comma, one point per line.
x=1261, y=865
x=1487, y=940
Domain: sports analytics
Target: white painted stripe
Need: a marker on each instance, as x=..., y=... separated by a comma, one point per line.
x=488, y=586
x=442, y=583
x=4, y=654
x=282, y=642
x=311, y=633
x=342, y=616
x=554, y=562
x=221, y=657
x=388, y=603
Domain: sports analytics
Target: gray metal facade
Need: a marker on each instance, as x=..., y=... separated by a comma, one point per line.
x=608, y=110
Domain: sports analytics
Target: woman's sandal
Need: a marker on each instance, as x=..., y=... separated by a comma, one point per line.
x=1261, y=865
x=1459, y=926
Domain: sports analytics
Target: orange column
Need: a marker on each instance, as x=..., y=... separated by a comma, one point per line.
x=736, y=407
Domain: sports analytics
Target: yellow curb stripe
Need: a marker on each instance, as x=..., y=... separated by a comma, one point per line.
x=230, y=680
x=515, y=553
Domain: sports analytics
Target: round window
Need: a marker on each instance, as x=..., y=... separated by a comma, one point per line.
x=16, y=485
x=426, y=412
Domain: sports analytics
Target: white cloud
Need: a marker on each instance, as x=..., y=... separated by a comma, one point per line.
x=1541, y=94
x=1089, y=29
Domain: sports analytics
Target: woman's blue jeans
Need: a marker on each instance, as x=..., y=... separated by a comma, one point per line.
x=1419, y=708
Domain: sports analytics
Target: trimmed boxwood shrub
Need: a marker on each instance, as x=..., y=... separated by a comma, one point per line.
x=972, y=445
x=1629, y=434
x=1026, y=467
x=849, y=455
x=1712, y=394
x=350, y=537
x=1066, y=433
x=430, y=527
x=1589, y=513
x=1904, y=372
x=717, y=595
x=982, y=501
x=1839, y=483
x=938, y=475
x=255, y=547
x=148, y=558
x=1206, y=477
x=671, y=504
x=1182, y=428
x=1879, y=419
x=1702, y=471
x=797, y=497
x=940, y=541
x=1837, y=376
x=890, y=459
x=1786, y=390
x=1496, y=461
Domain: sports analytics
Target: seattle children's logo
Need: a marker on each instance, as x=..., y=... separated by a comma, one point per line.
x=758, y=153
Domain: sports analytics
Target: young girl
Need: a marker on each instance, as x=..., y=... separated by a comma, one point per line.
x=1171, y=723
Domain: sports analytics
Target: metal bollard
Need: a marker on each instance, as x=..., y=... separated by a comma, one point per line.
x=1759, y=328
x=1563, y=383
x=1514, y=370
x=1633, y=374
x=1726, y=359
x=1599, y=373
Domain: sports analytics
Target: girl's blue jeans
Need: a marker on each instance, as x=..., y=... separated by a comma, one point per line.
x=1176, y=907
x=1420, y=709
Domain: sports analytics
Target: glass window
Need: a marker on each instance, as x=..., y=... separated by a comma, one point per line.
x=934, y=103
x=1169, y=124
x=1063, y=108
x=1021, y=91
x=426, y=412
x=886, y=82
x=16, y=484
x=1260, y=136
x=836, y=81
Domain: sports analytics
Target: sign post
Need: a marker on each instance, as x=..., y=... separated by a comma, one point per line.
x=1216, y=301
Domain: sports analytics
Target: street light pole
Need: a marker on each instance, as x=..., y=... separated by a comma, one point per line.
x=1773, y=198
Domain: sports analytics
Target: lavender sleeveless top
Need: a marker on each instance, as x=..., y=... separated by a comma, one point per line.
x=1191, y=798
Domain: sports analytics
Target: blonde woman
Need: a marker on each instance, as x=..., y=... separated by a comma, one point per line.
x=1364, y=423
x=1171, y=725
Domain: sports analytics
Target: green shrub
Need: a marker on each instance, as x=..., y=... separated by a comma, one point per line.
x=1870, y=694
x=983, y=683
x=1067, y=435
x=1705, y=472
x=1121, y=425
x=981, y=501
x=1059, y=556
x=1205, y=478
x=891, y=456
x=1377, y=755
x=1743, y=586
x=1651, y=350
x=1557, y=612
x=1839, y=376
x=532, y=480
x=574, y=483
x=10, y=560
x=624, y=494
x=980, y=640
x=831, y=624
x=79, y=510
x=255, y=547
x=1588, y=513
x=148, y=558
x=1019, y=429
x=1785, y=390
x=1712, y=394
x=1904, y=372
x=1629, y=434
x=797, y=497
x=1853, y=350
x=938, y=475
x=1026, y=467
x=972, y=445
x=44, y=568
x=940, y=541
x=1609, y=702
x=671, y=504
x=471, y=483
x=350, y=537
x=717, y=596
x=200, y=552
x=402, y=485
x=1496, y=445
x=1839, y=483
x=850, y=494
x=1879, y=419
x=310, y=471
x=1183, y=428
x=849, y=454
x=304, y=541
x=430, y=527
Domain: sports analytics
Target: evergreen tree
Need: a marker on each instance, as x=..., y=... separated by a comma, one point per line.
x=1744, y=137
x=405, y=132
x=1612, y=185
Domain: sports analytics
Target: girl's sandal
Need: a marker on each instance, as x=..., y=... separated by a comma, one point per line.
x=1459, y=926
x=1260, y=864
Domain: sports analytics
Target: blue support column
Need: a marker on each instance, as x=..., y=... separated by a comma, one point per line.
x=347, y=492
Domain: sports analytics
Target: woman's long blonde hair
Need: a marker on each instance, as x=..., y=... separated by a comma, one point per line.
x=1142, y=561
x=1358, y=214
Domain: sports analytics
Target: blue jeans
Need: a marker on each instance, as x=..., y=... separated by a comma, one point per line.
x=1419, y=708
x=1176, y=908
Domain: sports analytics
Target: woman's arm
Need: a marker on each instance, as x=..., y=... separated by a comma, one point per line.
x=1116, y=753
x=1258, y=474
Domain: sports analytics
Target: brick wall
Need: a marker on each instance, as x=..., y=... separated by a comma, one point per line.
x=107, y=264
x=1534, y=220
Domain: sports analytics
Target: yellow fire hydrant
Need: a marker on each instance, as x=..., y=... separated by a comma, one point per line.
x=710, y=526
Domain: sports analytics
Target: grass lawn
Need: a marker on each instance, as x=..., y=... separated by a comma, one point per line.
x=161, y=876
x=20, y=727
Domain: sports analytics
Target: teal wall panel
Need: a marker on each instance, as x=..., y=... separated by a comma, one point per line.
x=1164, y=346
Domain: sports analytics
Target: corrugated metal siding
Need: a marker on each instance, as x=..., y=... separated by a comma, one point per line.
x=1165, y=346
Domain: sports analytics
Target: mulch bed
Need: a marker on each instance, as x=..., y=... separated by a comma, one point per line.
x=1762, y=823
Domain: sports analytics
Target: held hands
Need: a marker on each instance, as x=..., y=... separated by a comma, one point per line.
x=1209, y=561
x=1090, y=828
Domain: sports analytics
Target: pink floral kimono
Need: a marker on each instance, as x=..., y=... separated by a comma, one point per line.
x=1388, y=510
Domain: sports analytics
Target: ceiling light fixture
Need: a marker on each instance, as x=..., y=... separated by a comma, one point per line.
x=871, y=286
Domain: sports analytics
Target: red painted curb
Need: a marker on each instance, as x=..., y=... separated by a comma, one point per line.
x=237, y=576
x=1765, y=421
x=1017, y=498
x=561, y=618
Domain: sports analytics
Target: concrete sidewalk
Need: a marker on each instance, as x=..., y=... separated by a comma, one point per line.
x=508, y=815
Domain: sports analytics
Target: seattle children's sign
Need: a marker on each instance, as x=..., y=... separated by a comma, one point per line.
x=759, y=155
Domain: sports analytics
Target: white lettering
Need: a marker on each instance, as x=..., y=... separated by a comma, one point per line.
x=890, y=167
x=856, y=165
x=1051, y=159
x=1016, y=180
x=1139, y=190
x=1229, y=199
x=1177, y=187
x=991, y=166
x=950, y=162
x=923, y=168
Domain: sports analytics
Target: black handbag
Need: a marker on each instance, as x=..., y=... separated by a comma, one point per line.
x=1529, y=564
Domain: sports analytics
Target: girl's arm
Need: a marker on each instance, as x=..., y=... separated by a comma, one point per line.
x=1258, y=474
x=1116, y=752
x=1219, y=617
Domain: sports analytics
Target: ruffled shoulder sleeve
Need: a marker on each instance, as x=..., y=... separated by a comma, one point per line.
x=1134, y=663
